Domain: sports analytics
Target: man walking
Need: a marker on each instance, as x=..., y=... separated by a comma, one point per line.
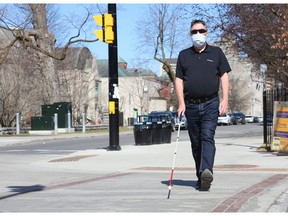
x=200, y=70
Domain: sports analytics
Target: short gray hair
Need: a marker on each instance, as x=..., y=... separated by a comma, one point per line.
x=197, y=21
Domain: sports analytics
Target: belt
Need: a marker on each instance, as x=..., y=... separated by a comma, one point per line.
x=201, y=100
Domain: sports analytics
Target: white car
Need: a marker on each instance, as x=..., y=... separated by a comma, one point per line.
x=224, y=119
x=260, y=119
x=249, y=118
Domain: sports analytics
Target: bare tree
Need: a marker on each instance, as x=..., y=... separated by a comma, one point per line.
x=20, y=82
x=28, y=55
x=161, y=33
x=139, y=93
x=39, y=39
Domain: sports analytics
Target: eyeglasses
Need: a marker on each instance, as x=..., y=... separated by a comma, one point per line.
x=201, y=31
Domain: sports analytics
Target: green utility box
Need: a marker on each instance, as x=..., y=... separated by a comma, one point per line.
x=62, y=109
x=46, y=121
x=42, y=123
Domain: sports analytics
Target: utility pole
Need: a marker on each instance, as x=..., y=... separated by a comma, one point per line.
x=108, y=34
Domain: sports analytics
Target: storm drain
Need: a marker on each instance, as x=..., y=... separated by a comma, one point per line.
x=71, y=159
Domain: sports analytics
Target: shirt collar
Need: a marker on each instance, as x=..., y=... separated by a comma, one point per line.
x=206, y=50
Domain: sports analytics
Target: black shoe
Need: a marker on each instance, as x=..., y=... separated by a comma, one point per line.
x=198, y=185
x=206, y=179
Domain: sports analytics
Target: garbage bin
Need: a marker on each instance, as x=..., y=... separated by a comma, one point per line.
x=166, y=131
x=143, y=133
x=157, y=132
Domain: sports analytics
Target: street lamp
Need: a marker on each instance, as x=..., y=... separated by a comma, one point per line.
x=263, y=70
x=145, y=98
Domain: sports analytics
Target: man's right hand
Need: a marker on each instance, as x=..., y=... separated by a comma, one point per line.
x=181, y=110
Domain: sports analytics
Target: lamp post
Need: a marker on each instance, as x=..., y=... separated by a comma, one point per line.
x=263, y=70
x=145, y=98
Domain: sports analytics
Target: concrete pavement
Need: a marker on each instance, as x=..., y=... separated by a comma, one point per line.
x=136, y=178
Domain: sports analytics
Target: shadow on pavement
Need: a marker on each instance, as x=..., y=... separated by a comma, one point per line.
x=180, y=182
x=18, y=190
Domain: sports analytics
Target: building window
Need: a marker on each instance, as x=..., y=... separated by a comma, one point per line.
x=97, y=87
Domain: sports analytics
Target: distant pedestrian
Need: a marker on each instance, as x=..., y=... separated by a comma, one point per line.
x=200, y=70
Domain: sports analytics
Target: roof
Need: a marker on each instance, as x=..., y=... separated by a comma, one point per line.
x=120, y=60
x=76, y=58
x=140, y=72
x=103, y=69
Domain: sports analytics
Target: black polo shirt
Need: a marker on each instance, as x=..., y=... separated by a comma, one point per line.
x=201, y=72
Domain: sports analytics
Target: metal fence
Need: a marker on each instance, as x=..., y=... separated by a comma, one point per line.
x=269, y=96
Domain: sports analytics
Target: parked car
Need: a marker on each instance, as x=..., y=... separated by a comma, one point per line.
x=260, y=119
x=183, y=123
x=163, y=116
x=249, y=119
x=256, y=119
x=238, y=118
x=224, y=119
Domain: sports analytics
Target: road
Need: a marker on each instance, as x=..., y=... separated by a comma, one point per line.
x=67, y=146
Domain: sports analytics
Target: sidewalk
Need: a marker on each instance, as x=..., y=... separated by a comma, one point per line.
x=136, y=179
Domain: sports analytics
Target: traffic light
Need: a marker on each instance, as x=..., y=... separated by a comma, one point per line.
x=106, y=21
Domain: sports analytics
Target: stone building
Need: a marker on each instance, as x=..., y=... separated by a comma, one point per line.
x=139, y=91
x=244, y=90
x=78, y=83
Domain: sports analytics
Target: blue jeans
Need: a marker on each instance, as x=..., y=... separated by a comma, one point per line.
x=202, y=122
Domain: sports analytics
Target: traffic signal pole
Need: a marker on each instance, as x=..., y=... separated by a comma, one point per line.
x=113, y=86
x=108, y=34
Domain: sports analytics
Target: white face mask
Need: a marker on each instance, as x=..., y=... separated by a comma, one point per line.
x=198, y=40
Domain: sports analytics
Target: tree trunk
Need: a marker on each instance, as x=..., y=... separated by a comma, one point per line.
x=46, y=41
